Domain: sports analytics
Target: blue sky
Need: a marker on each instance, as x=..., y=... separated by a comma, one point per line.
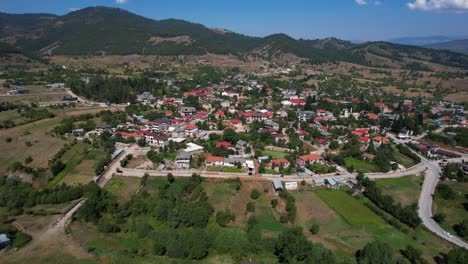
x=345, y=19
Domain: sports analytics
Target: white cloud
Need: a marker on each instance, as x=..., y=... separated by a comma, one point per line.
x=368, y=2
x=429, y=5
x=121, y=1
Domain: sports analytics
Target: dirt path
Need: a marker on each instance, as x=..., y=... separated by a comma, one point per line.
x=51, y=241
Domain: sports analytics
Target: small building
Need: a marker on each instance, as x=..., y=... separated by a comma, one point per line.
x=330, y=182
x=161, y=167
x=183, y=160
x=214, y=161
x=311, y=158
x=193, y=148
x=277, y=185
x=291, y=186
x=319, y=181
x=250, y=166
x=4, y=241
x=117, y=153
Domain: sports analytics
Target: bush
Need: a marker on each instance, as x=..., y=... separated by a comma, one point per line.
x=274, y=203
x=8, y=139
x=28, y=160
x=462, y=229
x=314, y=229
x=223, y=218
x=250, y=207
x=284, y=219
x=255, y=194
x=439, y=217
x=446, y=192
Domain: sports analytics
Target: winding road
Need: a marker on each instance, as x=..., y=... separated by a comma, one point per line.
x=426, y=198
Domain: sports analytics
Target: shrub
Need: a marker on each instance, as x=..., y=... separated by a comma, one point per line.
x=446, y=192
x=28, y=160
x=439, y=217
x=8, y=139
x=250, y=207
x=255, y=194
x=314, y=229
x=274, y=203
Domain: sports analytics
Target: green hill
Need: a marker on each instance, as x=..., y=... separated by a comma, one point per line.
x=104, y=31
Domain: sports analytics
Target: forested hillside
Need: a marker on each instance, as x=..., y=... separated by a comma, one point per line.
x=111, y=31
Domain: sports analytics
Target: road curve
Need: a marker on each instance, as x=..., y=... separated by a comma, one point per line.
x=426, y=200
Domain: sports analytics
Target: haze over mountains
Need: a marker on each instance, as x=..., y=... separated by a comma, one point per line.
x=455, y=44
x=111, y=31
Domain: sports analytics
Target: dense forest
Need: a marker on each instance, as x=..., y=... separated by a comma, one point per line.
x=116, y=90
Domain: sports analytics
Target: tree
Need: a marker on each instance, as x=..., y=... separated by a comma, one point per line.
x=223, y=218
x=413, y=255
x=456, y=256
x=293, y=247
x=274, y=203
x=230, y=136
x=170, y=178
x=141, y=142
x=376, y=253
x=255, y=194
x=446, y=192
x=439, y=217
x=56, y=167
x=250, y=207
x=462, y=228
x=314, y=229
x=334, y=145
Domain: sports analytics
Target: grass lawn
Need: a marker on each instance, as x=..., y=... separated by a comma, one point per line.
x=70, y=165
x=123, y=187
x=404, y=190
x=270, y=171
x=267, y=220
x=274, y=154
x=402, y=159
x=80, y=163
x=220, y=193
x=360, y=165
x=349, y=208
x=232, y=169
x=454, y=210
x=351, y=225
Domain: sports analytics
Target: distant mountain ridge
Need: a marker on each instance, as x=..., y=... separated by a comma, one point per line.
x=421, y=41
x=455, y=45
x=105, y=31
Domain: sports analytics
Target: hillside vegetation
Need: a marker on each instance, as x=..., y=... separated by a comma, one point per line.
x=105, y=31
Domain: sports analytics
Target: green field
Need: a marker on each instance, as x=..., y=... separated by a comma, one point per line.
x=402, y=159
x=404, y=190
x=267, y=220
x=80, y=162
x=349, y=208
x=454, y=210
x=354, y=225
x=274, y=154
x=360, y=165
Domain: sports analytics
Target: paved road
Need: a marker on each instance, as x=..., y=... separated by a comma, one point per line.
x=426, y=199
x=228, y=175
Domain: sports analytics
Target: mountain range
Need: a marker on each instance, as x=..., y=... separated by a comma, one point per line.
x=113, y=31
